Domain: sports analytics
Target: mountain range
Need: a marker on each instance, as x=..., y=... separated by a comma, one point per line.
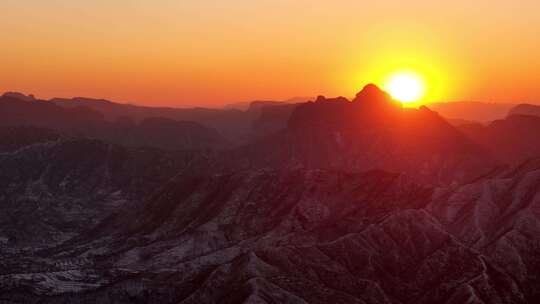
x=328, y=201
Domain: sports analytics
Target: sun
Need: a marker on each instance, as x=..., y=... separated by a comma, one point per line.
x=405, y=86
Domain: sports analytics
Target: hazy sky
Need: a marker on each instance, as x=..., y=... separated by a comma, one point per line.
x=211, y=52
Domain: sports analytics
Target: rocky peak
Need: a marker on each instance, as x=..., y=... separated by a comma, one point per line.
x=19, y=96
x=321, y=99
x=371, y=105
x=373, y=95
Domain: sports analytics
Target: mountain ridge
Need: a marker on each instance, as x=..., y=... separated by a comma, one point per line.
x=361, y=201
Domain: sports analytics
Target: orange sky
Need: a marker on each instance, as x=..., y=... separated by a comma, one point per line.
x=211, y=52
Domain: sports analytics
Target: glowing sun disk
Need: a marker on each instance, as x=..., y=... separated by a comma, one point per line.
x=405, y=86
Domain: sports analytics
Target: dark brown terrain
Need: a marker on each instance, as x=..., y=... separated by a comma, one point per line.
x=329, y=201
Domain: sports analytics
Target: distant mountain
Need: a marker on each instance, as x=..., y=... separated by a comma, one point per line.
x=460, y=122
x=272, y=119
x=244, y=106
x=249, y=105
x=237, y=126
x=513, y=140
x=371, y=132
x=472, y=111
x=258, y=105
x=525, y=109
x=81, y=120
x=299, y=99
x=230, y=123
x=20, y=96
x=16, y=110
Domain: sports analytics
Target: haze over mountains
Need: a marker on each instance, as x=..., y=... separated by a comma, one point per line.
x=327, y=201
x=234, y=119
x=471, y=111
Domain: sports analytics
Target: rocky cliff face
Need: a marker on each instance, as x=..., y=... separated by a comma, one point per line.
x=312, y=236
x=52, y=189
x=499, y=218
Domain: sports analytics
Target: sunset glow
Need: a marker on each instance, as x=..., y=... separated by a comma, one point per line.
x=209, y=53
x=406, y=87
x=270, y=151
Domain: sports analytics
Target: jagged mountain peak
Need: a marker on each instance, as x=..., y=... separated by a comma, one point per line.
x=371, y=105
x=371, y=94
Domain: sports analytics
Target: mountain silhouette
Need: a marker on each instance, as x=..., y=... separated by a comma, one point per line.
x=525, y=109
x=371, y=132
x=81, y=120
x=472, y=111
x=20, y=96
x=232, y=124
x=328, y=201
x=512, y=140
x=17, y=109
